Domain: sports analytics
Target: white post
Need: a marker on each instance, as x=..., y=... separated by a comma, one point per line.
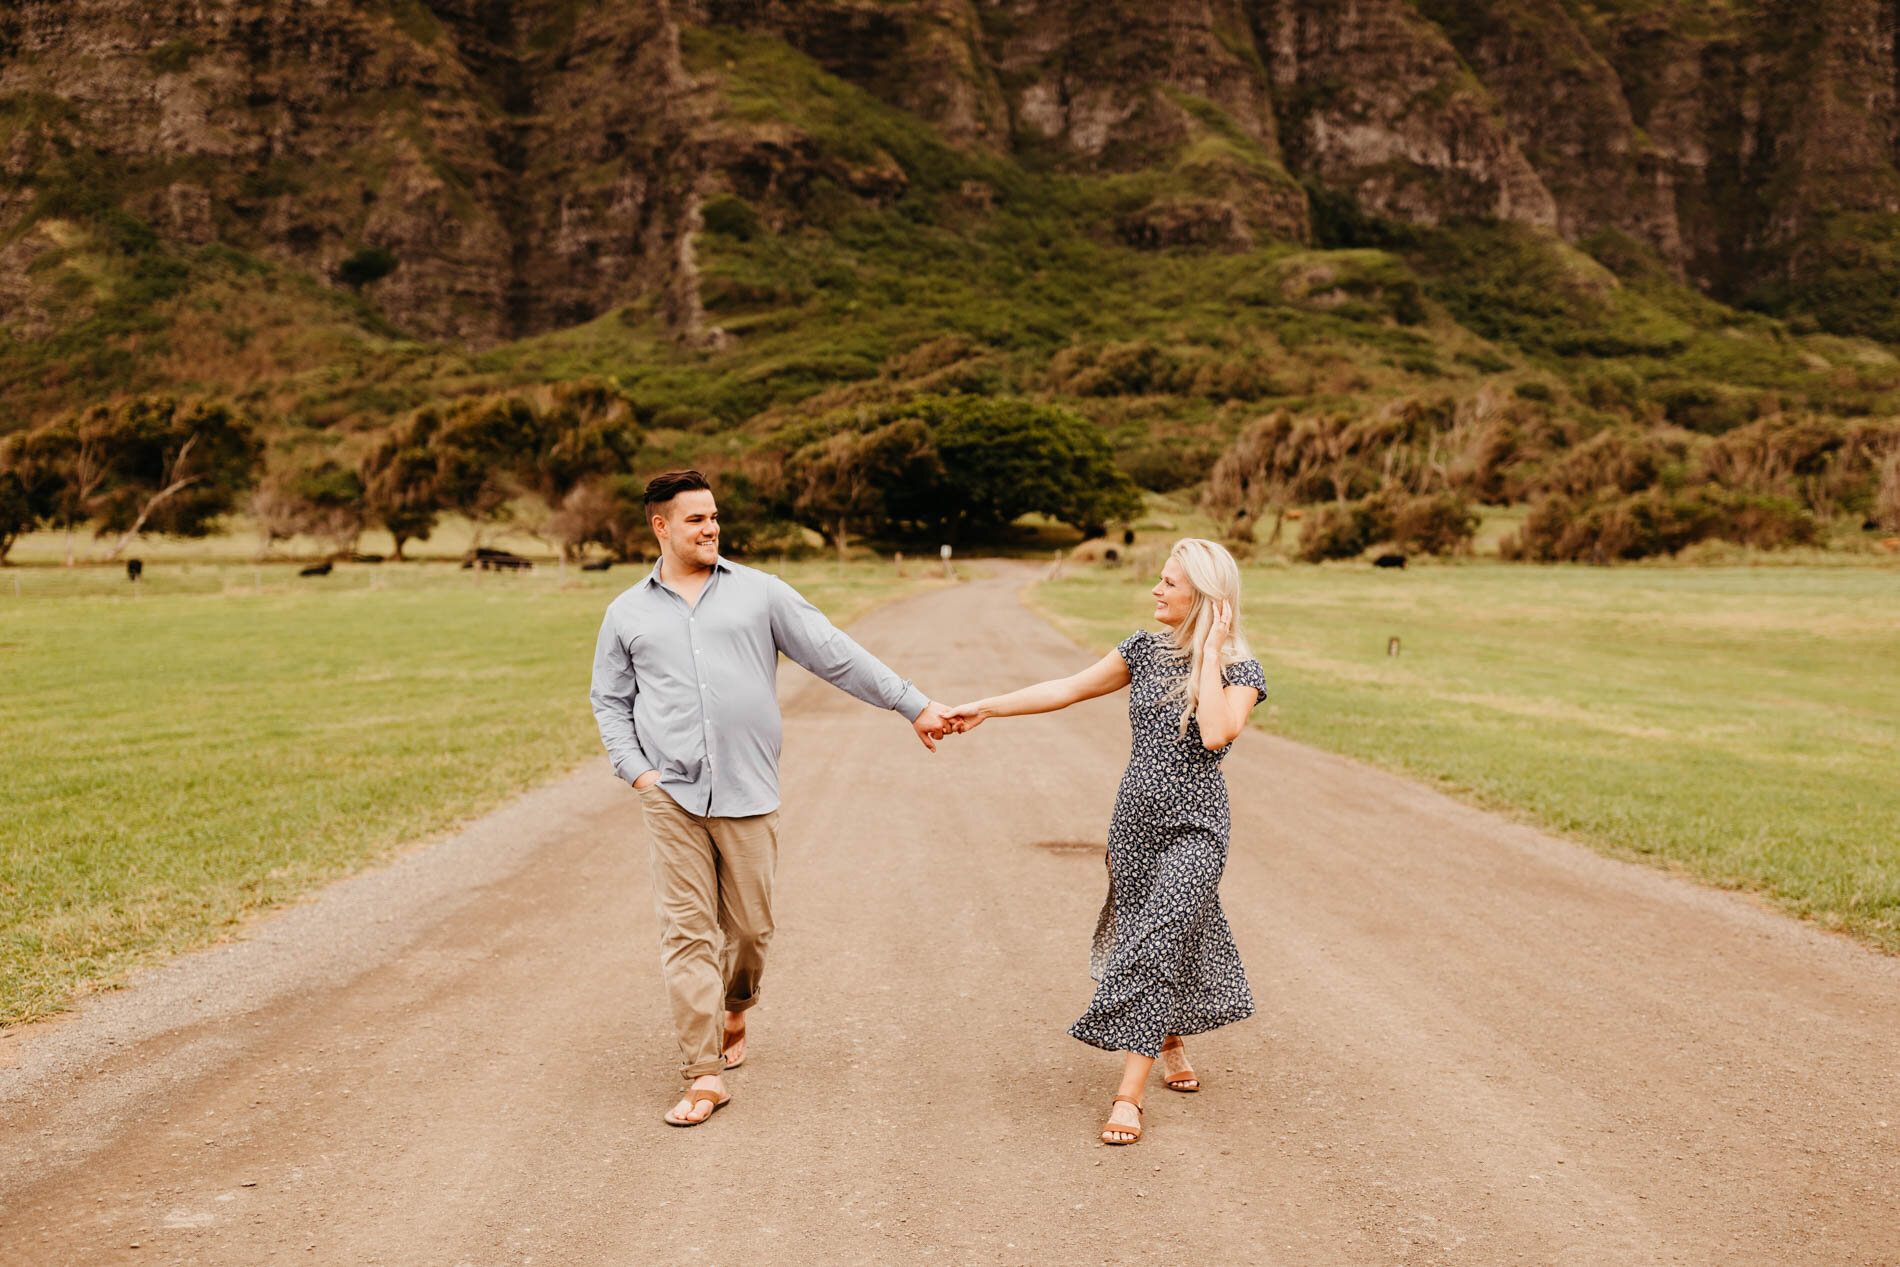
x=949, y=573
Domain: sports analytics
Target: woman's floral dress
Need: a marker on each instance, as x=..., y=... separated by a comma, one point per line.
x=1163, y=954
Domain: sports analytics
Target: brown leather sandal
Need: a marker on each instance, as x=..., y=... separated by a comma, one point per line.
x=1185, y=1074
x=699, y=1095
x=727, y=1040
x=1117, y=1127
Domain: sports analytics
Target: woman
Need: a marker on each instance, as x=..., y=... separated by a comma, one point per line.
x=1163, y=955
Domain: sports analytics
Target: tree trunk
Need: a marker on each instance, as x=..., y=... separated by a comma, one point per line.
x=138, y=524
x=69, y=543
x=840, y=538
x=400, y=538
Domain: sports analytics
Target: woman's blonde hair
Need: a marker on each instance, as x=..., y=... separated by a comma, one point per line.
x=1215, y=578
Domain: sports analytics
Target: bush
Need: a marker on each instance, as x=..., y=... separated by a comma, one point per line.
x=1437, y=524
x=1342, y=532
x=371, y=263
x=733, y=217
x=1655, y=522
x=1163, y=467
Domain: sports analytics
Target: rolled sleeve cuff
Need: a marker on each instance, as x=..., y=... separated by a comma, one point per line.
x=632, y=766
x=912, y=702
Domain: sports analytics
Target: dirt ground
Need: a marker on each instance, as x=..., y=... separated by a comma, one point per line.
x=1476, y=1044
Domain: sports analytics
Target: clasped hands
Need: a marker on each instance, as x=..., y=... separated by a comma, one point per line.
x=938, y=720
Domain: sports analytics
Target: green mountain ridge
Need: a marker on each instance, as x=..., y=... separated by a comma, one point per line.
x=933, y=198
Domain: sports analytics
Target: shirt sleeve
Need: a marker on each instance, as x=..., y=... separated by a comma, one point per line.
x=1246, y=673
x=612, y=695
x=1131, y=649
x=815, y=644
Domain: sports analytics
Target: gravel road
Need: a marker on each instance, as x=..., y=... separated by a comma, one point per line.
x=1477, y=1044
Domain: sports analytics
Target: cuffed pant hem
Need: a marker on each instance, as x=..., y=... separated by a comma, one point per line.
x=716, y=1065
x=740, y=1005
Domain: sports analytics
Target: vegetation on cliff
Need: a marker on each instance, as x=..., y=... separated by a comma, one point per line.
x=826, y=246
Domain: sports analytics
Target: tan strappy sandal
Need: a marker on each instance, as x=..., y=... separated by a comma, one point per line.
x=1134, y=1131
x=699, y=1095
x=1185, y=1074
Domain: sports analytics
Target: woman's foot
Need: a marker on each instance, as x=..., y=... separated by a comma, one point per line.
x=707, y=1094
x=1176, y=1073
x=1124, y=1122
x=733, y=1043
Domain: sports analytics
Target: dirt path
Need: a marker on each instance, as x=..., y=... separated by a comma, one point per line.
x=1476, y=1044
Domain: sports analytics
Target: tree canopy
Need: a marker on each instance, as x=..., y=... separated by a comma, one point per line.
x=962, y=467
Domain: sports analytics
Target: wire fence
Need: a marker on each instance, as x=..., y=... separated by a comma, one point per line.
x=235, y=579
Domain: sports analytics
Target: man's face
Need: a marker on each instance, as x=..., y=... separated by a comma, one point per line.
x=689, y=530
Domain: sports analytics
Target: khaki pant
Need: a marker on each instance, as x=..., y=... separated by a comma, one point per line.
x=712, y=889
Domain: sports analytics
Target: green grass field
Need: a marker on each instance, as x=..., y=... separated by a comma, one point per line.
x=177, y=761
x=1741, y=724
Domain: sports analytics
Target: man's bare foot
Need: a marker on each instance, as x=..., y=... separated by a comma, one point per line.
x=689, y=1112
x=734, y=1041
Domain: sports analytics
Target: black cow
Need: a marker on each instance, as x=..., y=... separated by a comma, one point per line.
x=487, y=558
x=1389, y=561
x=134, y=569
x=318, y=569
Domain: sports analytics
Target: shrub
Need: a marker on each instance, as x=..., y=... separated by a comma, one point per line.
x=1162, y=466
x=1342, y=532
x=1656, y=522
x=371, y=263
x=1436, y=524
x=733, y=217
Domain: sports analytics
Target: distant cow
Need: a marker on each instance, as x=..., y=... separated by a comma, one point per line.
x=134, y=569
x=318, y=569
x=598, y=565
x=487, y=558
x=1389, y=561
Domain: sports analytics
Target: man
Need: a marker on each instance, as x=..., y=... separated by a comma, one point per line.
x=685, y=676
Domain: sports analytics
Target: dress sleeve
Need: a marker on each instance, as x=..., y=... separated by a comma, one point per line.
x=1246, y=673
x=1132, y=649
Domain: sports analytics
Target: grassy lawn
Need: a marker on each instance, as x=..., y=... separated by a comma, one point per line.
x=1741, y=724
x=177, y=761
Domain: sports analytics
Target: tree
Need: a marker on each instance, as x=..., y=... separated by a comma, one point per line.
x=322, y=499
x=402, y=489
x=493, y=450
x=1262, y=470
x=580, y=430
x=845, y=476
x=65, y=467
x=174, y=468
x=1007, y=457
x=17, y=513
x=990, y=461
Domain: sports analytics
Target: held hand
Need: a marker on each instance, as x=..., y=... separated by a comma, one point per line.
x=930, y=725
x=963, y=718
x=1219, y=629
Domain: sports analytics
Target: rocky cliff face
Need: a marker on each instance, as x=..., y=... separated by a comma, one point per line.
x=529, y=164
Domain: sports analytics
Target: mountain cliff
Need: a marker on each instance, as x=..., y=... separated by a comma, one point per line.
x=277, y=197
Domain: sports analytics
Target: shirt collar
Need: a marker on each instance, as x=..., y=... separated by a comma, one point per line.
x=653, y=577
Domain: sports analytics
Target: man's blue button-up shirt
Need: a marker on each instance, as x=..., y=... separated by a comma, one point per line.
x=691, y=691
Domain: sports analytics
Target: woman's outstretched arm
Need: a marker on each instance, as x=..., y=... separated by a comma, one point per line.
x=1110, y=673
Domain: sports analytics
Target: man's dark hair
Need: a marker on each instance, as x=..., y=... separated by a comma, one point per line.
x=662, y=489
